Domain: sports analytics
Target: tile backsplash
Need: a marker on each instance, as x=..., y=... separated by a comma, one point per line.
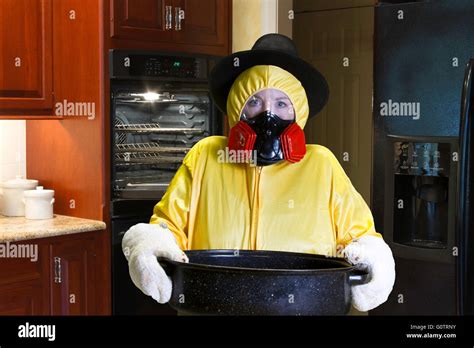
x=12, y=149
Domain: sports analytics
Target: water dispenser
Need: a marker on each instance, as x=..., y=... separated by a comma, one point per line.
x=421, y=192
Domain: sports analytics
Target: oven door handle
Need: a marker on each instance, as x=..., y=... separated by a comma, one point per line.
x=147, y=185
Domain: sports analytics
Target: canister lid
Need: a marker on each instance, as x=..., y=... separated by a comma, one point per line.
x=20, y=183
x=39, y=193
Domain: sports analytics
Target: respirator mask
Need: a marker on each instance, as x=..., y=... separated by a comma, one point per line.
x=267, y=128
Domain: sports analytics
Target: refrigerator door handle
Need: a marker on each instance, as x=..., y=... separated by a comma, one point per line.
x=464, y=212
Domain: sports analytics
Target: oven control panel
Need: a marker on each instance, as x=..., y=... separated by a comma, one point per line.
x=146, y=65
x=162, y=66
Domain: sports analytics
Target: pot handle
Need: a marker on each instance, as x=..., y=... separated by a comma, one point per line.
x=52, y=201
x=358, y=277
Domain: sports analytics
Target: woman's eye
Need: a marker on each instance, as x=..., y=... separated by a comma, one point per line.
x=254, y=102
x=282, y=104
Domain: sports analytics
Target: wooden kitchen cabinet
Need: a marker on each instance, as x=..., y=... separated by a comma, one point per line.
x=73, y=283
x=22, y=290
x=59, y=55
x=144, y=20
x=39, y=70
x=204, y=22
x=26, y=56
x=194, y=26
x=70, y=277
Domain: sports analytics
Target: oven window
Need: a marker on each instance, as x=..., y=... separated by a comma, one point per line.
x=152, y=132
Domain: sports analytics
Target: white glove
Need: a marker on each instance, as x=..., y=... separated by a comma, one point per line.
x=373, y=255
x=141, y=245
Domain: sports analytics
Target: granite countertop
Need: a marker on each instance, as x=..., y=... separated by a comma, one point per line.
x=19, y=228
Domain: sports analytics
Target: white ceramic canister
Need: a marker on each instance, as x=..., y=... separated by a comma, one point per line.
x=12, y=195
x=39, y=203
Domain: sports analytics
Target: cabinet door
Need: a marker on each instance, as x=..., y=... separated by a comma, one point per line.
x=73, y=273
x=203, y=22
x=23, y=298
x=25, y=55
x=24, y=278
x=143, y=20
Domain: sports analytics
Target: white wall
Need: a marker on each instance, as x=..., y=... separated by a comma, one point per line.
x=269, y=16
x=12, y=149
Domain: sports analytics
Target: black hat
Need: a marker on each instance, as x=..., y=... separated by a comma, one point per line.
x=270, y=49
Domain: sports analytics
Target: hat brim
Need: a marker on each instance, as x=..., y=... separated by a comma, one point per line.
x=224, y=73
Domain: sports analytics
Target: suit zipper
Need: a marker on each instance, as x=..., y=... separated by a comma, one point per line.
x=255, y=206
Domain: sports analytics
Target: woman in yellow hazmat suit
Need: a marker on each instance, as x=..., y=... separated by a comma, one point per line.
x=280, y=195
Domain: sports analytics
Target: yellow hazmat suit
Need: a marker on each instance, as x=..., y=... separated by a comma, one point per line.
x=309, y=206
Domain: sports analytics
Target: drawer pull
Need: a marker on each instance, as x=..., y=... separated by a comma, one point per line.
x=57, y=270
x=179, y=16
x=169, y=17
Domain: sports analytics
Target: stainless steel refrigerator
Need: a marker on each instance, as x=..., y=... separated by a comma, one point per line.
x=422, y=186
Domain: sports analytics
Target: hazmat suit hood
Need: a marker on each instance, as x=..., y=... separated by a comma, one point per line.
x=261, y=77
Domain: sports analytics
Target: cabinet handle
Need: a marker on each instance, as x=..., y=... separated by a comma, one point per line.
x=179, y=16
x=57, y=270
x=168, y=17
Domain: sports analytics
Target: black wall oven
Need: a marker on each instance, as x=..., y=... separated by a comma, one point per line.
x=160, y=108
